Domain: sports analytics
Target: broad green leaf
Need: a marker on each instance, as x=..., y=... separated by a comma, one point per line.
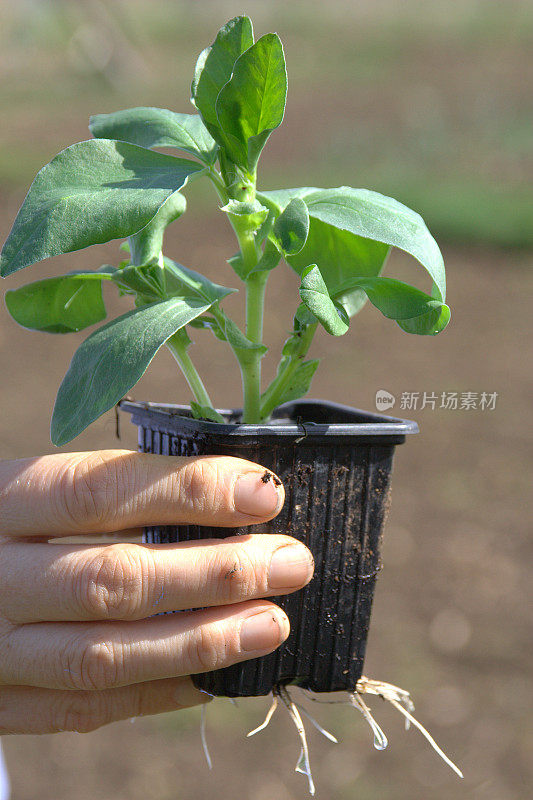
x=205, y=412
x=414, y=310
x=214, y=68
x=249, y=215
x=374, y=217
x=157, y=127
x=59, y=305
x=291, y=228
x=112, y=360
x=278, y=199
x=315, y=296
x=382, y=219
x=88, y=194
x=252, y=103
x=186, y=282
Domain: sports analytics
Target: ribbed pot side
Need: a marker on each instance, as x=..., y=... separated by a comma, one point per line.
x=337, y=495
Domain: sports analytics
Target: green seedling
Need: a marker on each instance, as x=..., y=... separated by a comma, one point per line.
x=118, y=186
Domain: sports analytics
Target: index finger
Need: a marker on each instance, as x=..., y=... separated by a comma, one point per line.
x=111, y=490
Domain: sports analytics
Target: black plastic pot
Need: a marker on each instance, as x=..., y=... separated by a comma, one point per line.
x=335, y=463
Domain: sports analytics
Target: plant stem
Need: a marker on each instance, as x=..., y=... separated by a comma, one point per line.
x=275, y=391
x=179, y=350
x=249, y=359
x=251, y=369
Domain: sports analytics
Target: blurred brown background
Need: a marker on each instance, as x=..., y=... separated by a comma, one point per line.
x=430, y=102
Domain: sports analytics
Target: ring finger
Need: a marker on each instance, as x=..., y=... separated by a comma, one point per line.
x=105, y=655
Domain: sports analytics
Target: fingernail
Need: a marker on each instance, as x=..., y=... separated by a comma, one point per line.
x=255, y=496
x=291, y=565
x=264, y=631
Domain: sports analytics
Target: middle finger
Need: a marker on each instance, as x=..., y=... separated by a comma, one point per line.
x=56, y=582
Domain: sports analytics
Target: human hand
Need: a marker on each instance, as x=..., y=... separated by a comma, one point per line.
x=79, y=647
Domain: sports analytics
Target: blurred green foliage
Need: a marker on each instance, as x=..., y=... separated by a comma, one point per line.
x=432, y=102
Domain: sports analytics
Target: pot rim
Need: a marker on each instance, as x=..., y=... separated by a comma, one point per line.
x=363, y=424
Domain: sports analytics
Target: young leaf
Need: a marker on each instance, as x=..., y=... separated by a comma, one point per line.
x=146, y=281
x=291, y=228
x=236, y=262
x=214, y=68
x=188, y=283
x=59, y=305
x=269, y=259
x=252, y=103
x=205, y=412
x=414, y=310
x=300, y=381
x=251, y=215
x=112, y=360
x=237, y=339
x=157, y=127
x=427, y=324
x=315, y=297
x=88, y=194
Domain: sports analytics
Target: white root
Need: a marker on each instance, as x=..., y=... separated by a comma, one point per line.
x=267, y=718
x=398, y=698
x=303, y=766
x=427, y=735
x=386, y=691
x=401, y=700
x=319, y=727
x=204, y=738
x=380, y=740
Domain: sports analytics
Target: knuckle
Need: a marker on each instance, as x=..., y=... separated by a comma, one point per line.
x=81, y=712
x=200, y=485
x=236, y=574
x=113, y=583
x=87, y=491
x=208, y=648
x=92, y=665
